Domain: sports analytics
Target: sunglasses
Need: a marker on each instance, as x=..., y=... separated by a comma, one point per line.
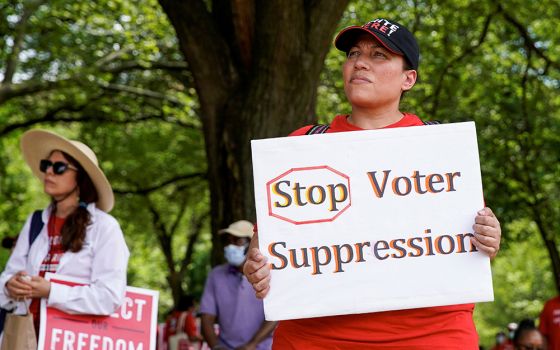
x=58, y=168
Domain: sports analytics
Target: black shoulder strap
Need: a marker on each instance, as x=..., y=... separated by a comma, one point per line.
x=318, y=129
x=322, y=128
x=431, y=122
x=36, y=226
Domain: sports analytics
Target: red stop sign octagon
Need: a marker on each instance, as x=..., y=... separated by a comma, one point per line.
x=309, y=195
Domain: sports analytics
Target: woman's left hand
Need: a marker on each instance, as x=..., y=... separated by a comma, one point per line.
x=487, y=232
x=40, y=287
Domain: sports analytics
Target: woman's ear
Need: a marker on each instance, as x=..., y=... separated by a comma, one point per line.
x=409, y=79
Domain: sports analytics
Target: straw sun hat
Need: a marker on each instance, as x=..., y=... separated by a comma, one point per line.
x=38, y=144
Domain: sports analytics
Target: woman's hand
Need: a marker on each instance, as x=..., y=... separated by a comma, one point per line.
x=40, y=287
x=487, y=232
x=18, y=286
x=256, y=269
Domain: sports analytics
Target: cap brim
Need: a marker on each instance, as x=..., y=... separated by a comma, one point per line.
x=38, y=144
x=235, y=233
x=347, y=37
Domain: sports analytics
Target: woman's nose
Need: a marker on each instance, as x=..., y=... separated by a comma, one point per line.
x=361, y=63
x=49, y=170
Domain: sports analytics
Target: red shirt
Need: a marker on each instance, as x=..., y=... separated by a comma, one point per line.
x=508, y=345
x=50, y=262
x=173, y=321
x=549, y=324
x=442, y=327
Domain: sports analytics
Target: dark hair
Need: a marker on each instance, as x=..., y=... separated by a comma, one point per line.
x=73, y=231
x=185, y=302
x=9, y=242
x=526, y=325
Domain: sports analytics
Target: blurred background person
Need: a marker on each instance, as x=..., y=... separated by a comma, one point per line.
x=549, y=323
x=182, y=320
x=229, y=300
x=502, y=342
x=528, y=337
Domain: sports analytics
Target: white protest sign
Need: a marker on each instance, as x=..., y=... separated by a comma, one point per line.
x=370, y=221
x=131, y=327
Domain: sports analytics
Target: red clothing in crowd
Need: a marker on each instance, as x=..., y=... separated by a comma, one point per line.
x=506, y=346
x=173, y=321
x=442, y=327
x=549, y=324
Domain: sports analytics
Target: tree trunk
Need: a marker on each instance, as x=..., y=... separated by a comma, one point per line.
x=551, y=246
x=256, y=67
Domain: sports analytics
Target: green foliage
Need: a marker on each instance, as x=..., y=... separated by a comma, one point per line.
x=109, y=74
x=522, y=280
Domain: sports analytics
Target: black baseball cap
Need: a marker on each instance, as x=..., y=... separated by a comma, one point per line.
x=393, y=36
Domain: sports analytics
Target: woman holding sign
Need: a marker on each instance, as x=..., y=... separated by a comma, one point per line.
x=74, y=236
x=381, y=65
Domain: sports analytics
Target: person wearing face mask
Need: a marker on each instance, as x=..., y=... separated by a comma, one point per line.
x=503, y=342
x=229, y=300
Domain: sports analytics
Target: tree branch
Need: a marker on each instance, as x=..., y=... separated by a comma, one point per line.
x=13, y=58
x=140, y=92
x=149, y=189
x=134, y=65
x=9, y=91
x=162, y=235
x=105, y=60
x=195, y=228
x=529, y=42
x=53, y=116
x=180, y=214
x=468, y=51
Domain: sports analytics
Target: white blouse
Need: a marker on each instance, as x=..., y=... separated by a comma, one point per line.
x=102, y=261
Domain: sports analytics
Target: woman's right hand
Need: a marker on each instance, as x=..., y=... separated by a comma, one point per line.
x=256, y=269
x=18, y=286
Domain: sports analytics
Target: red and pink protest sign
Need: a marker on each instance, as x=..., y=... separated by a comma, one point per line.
x=131, y=327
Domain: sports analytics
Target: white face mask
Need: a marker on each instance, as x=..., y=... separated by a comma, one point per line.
x=234, y=254
x=500, y=339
